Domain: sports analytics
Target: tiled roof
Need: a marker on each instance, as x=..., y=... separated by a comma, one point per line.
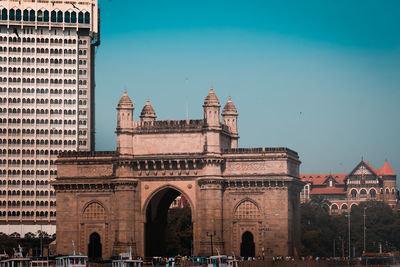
x=319, y=179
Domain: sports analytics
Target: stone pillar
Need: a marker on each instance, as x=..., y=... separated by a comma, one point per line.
x=67, y=223
x=124, y=202
x=210, y=217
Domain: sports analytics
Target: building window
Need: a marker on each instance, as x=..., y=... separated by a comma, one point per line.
x=73, y=17
x=25, y=16
x=87, y=18
x=387, y=194
x=46, y=16
x=363, y=194
x=12, y=14
x=344, y=209
x=59, y=16
x=53, y=16
x=4, y=14
x=353, y=194
x=32, y=15
x=80, y=17
x=372, y=194
x=334, y=209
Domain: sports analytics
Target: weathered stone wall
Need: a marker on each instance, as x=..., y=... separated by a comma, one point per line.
x=162, y=143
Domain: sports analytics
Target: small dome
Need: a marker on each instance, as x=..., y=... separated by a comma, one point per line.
x=125, y=101
x=148, y=111
x=211, y=100
x=229, y=108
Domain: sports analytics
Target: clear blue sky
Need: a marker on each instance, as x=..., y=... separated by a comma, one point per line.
x=320, y=77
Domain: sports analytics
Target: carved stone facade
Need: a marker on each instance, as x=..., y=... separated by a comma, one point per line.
x=234, y=193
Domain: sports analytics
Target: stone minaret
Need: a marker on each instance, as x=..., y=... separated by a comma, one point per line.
x=211, y=109
x=229, y=117
x=124, y=124
x=148, y=113
x=212, y=124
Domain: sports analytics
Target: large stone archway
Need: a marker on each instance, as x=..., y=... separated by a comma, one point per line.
x=156, y=213
x=231, y=190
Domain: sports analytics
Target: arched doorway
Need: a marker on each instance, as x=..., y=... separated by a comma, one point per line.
x=247, y=247
x=168, y=228
x=94, y=248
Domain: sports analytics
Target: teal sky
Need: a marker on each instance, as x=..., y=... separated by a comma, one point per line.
x=320, y=77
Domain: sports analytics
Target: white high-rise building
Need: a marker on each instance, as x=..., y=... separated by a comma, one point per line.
x=47, y=50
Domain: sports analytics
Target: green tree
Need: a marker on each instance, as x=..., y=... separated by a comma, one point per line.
x=320, y=230
x=179, y=234
x=7, y=244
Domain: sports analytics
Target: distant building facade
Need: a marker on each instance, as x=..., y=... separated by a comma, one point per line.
x=47, y=51
x=244, y=200
x=179, y=202
x=346, y=190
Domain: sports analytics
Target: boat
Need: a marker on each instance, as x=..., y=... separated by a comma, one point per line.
x=41, y=263
x=217, y=261
x=127, y=261
x=18, y=260
x=72, y=260
x=380, y=259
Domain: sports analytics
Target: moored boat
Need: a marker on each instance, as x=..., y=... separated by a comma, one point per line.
x=380, y=259
x=127, y=261
x=218, y=261
x=18, y=260
x=71, y=261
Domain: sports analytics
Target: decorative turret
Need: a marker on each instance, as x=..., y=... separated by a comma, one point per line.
x=124, y=124
x=148, y=113
x=229, y=116
x=125, y=111
x=386, y=169
x=211, y=109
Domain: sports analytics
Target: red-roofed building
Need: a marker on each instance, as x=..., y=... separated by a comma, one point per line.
x=345, y=190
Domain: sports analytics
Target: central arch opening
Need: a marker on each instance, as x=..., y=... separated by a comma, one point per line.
x=168, y=228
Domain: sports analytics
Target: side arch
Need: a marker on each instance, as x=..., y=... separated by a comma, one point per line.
x=94, y=218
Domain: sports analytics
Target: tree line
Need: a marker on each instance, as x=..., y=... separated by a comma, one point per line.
x=326, y=235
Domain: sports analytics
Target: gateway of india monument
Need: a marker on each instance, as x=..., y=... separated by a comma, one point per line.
x=243, y=201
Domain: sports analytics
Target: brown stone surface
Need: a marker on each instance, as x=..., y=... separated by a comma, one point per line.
x=119, y=195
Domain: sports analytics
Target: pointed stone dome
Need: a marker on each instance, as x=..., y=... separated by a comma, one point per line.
x=148, y=111
x=125, y=101
x=229, y=108
x=211, y=99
